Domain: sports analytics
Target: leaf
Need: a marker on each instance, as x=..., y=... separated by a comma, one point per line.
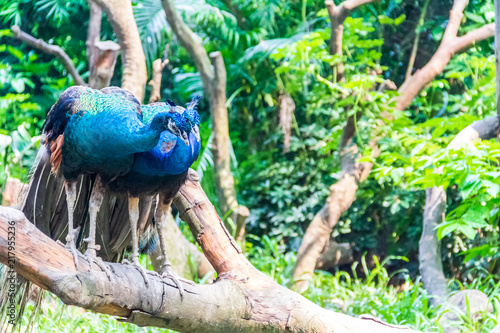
x=385, y=20
x=491, y=187
x=400, y=19
x=468, y=231
x=474, y=17
x=447, y=228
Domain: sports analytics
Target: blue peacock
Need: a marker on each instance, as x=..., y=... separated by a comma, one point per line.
x=99, y=140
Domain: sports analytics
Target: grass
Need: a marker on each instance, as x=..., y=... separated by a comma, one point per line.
x=373, y=295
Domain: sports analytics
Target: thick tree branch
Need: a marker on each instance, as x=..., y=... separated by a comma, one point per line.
x=101, y=55
x=343, y=192
x=49, y=49
x=190, y=41
x=243, y=299
x=467, y=40
x=121, y=17
x=93, y=32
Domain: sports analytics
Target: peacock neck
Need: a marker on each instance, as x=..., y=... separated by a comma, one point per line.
x=147, y=136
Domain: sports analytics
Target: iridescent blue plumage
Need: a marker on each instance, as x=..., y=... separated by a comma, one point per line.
x=102, y=130
x=163, y=169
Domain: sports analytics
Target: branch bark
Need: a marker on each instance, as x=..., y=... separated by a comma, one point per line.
x=186, y=259
x=54, y=50
x=243, y=299
x=93, y=32
x=121, y=17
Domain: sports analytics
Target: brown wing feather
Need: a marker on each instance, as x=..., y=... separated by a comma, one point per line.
x=56, y=153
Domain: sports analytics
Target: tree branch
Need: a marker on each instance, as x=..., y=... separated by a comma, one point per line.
x=101, y=55
x=450, y=45
x=467, y=40
x=243, y=299
x=94, y=32
x=414, y=49
x=190, y=41
x=49, y=49
x=343, y=192
x=337, y=15
x=155, y=82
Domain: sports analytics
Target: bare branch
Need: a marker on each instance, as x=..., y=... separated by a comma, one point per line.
x=214, y=83
x=155, y=82
x=467, y=40
x=94, y=31
x=343, y=192
x=414, y=49
x=49, y=49
x=190, y=41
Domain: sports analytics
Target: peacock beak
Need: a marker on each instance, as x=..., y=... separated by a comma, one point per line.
x=185, y=138
x=196, y=132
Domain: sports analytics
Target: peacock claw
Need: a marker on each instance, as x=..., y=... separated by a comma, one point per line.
x=167, y=272
x=137, y=265
x=91, y=257
x=71, y=247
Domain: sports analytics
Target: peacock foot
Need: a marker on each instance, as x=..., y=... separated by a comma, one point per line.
x=91, y=257
x=137, y=265
x=167, y=272
x=71, y=247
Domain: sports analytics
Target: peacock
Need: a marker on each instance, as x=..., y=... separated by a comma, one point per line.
x=162, y=170
x=100, y=133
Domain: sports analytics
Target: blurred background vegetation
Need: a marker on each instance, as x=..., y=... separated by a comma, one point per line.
x=273, y=47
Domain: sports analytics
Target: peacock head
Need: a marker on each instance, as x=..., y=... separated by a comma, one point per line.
x=192, y=116
x=176, y=124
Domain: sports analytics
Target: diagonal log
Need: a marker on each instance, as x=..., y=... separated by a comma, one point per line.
x=242, y=300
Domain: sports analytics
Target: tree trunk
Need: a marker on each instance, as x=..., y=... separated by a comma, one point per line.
x=121, y=18
x=431, y=266
x=214, y=82
x=243, y=299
